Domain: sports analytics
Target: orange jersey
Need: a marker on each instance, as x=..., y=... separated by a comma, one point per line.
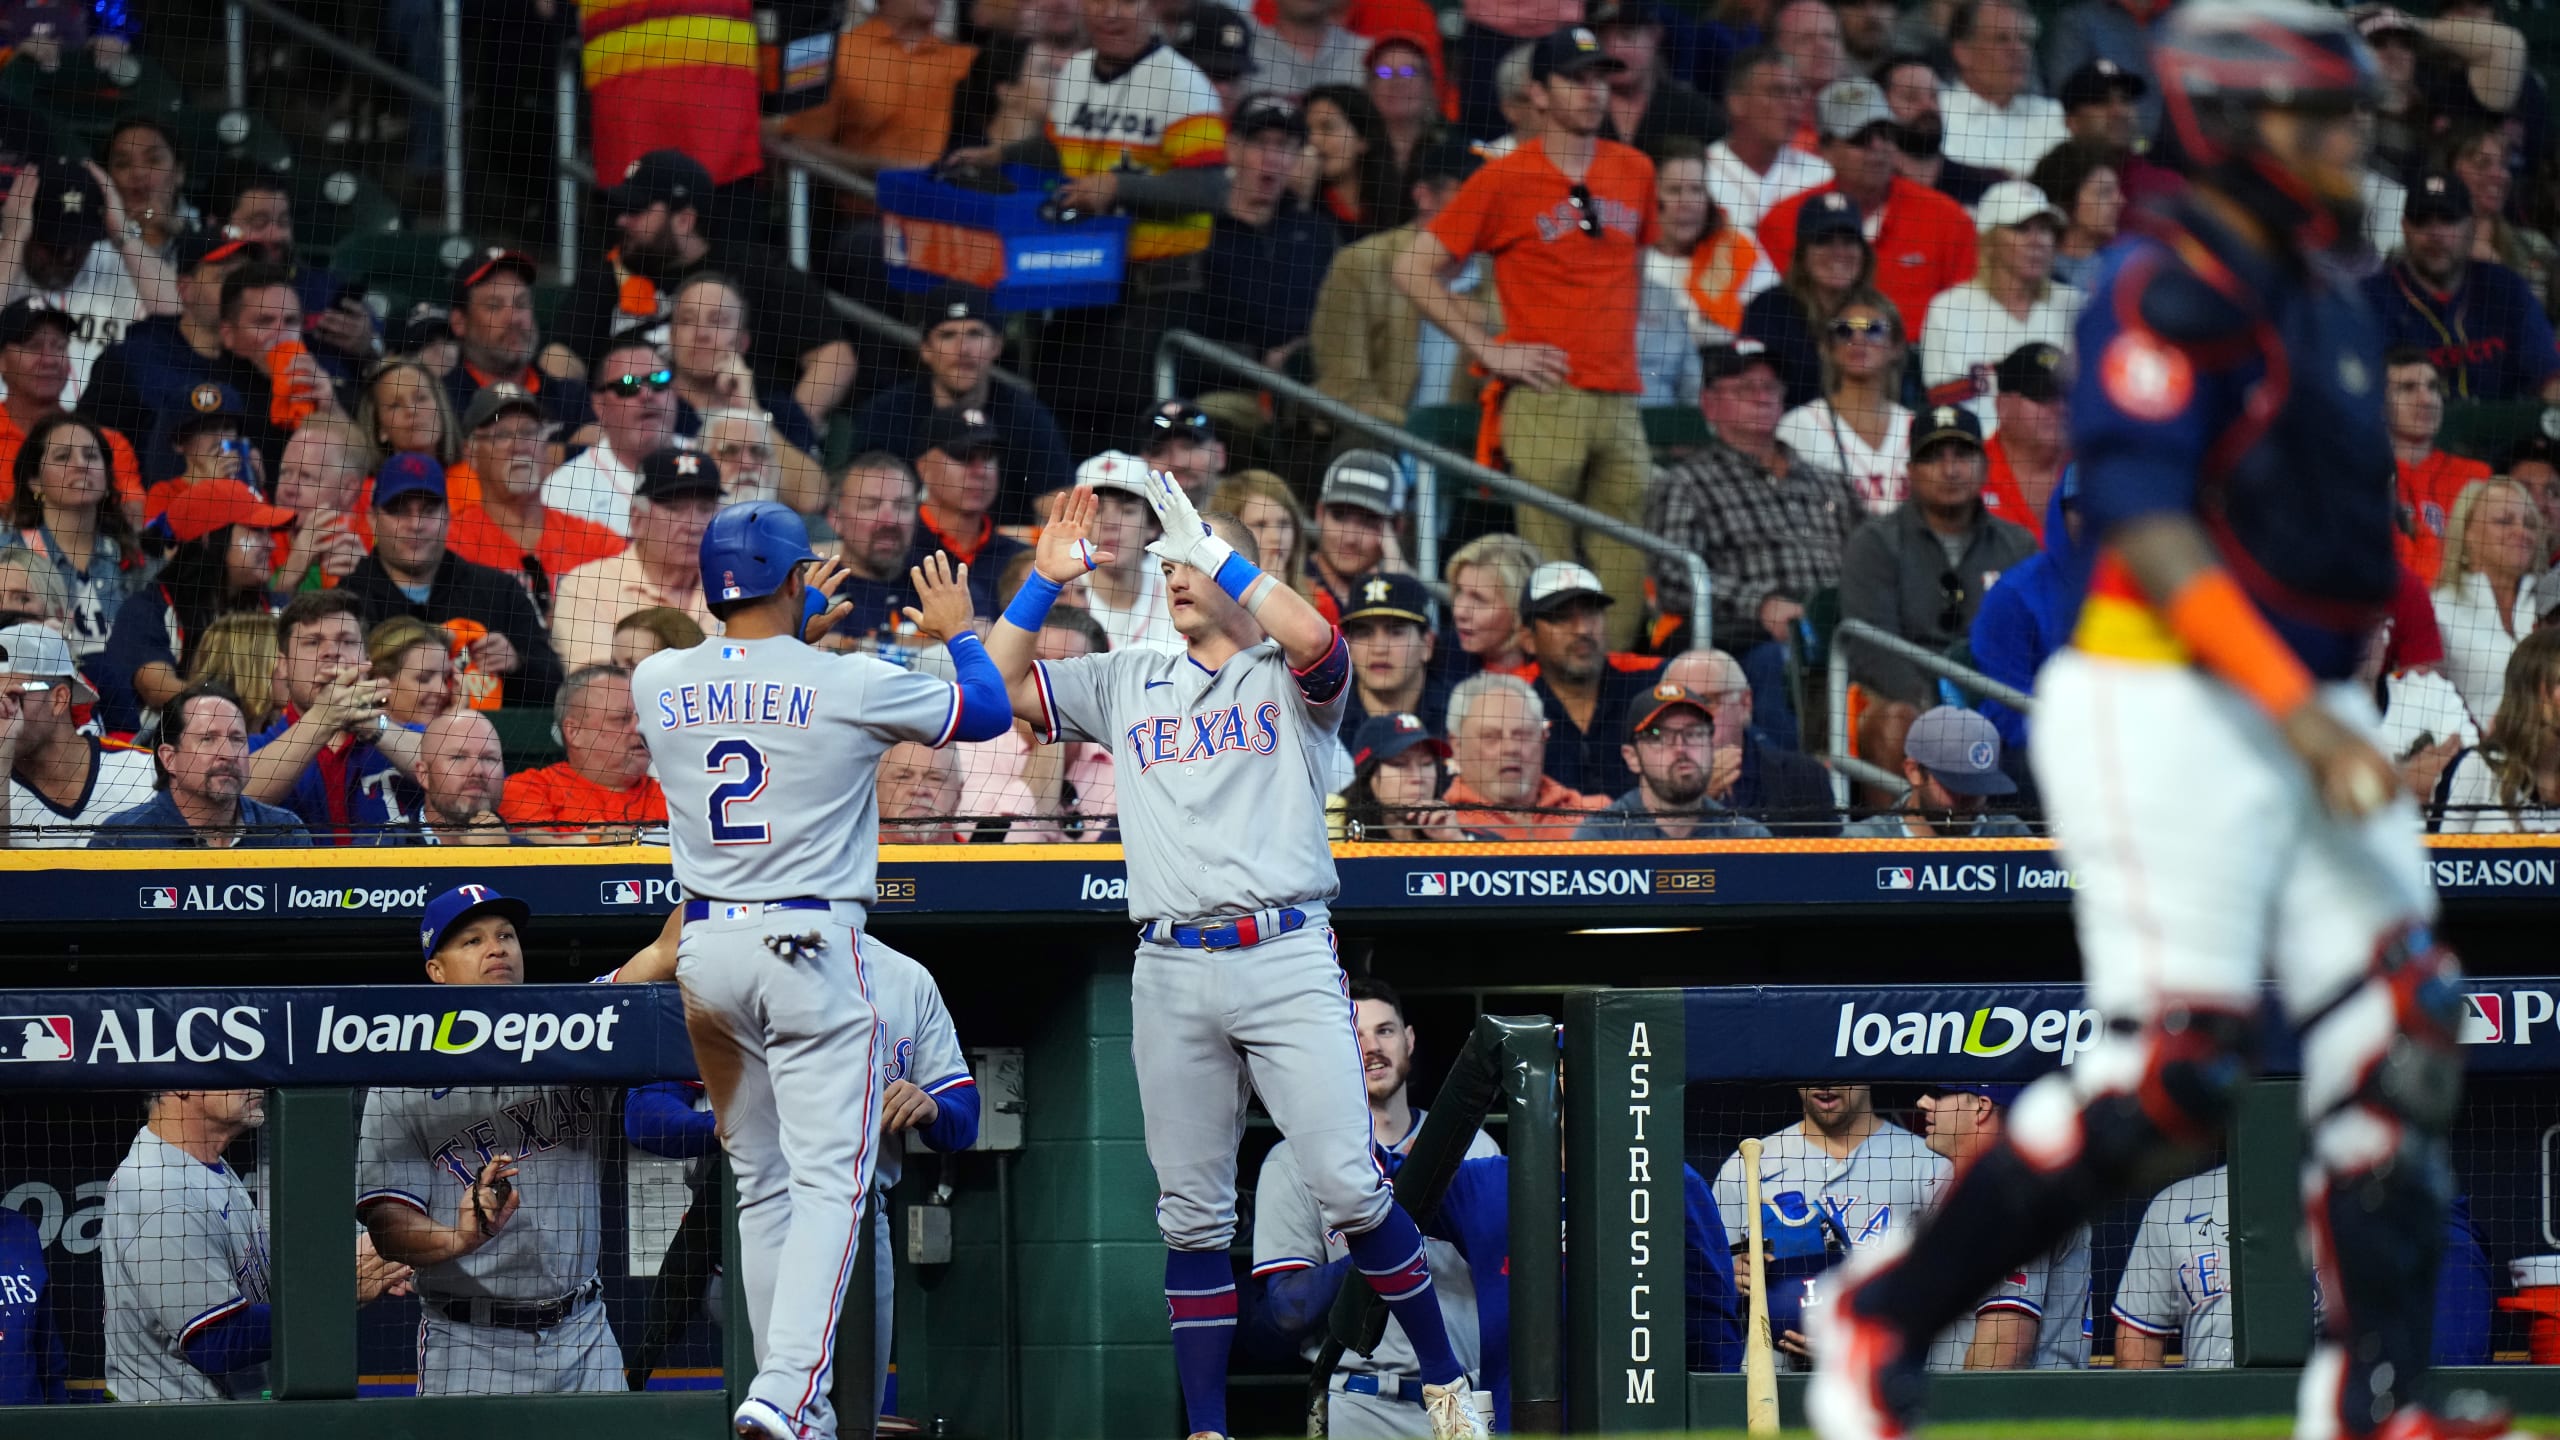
x=122, y=463
x=1561, y=286
x=559, y=796
x=568, y=542
x=2001, y=495
x=2427, y=492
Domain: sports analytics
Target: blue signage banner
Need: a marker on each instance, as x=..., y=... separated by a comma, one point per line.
x=347, y=1035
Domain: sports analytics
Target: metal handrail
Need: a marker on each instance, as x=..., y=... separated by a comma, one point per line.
x=1936, y=664
x=1517, y=491
x=1850, y=767
x=447, y=97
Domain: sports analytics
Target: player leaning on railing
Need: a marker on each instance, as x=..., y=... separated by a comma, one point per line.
x=2238, y=486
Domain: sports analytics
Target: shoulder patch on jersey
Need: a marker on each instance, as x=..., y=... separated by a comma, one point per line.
x=2145, y=377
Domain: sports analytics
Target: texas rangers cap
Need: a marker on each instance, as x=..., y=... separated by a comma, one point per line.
x=1389, y=597
x=1849, y=107
x=1114, y=470
x=459, y=906
x=950, y=304
x=1361, y=479
x=1557, y=584
x=407, y=473
x=1216, y=39
x=1653, y=704
x=1573, y=50
x=2003, y=1096
x=1960, y=750
x=673, y=474
x=2438, y=195
x=957, y=432
x=1941, y=423
x=23, y=317
x=1723, y=362
x=38, y=652
x=2033, y=370
x=503, y=398
x=1382, y=738
x=2101, y=79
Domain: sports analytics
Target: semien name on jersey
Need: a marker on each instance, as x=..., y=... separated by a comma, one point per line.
x=737, y=702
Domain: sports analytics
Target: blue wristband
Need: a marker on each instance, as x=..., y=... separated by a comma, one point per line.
x=1237, y=575
x=1031, y=603
x=812, y=605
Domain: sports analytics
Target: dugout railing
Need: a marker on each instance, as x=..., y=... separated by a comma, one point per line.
x=1633, y=1059
x=140, y=1041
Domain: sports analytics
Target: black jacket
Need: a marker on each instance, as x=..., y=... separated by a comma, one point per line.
x=464, y=591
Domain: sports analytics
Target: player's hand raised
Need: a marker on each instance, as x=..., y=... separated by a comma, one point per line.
x=491, y=1201
x=826, y=580
x=943, y=589
x=1066, y=542
x=2353, y=778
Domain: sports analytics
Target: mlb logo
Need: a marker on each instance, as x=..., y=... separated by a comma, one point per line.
x=34, y=1037
x=1426, y=882
x=619, y=892
x=2484, y=1020
x=1897, y=877
x=733, y=652
x=159, y=897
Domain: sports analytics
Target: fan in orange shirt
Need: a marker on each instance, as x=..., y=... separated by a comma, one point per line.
x=2430, y=479
x=601, y=794
x=510, y=529
x=35, y=366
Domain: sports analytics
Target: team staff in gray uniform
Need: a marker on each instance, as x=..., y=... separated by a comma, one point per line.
x=2036, y=1317
x=1301, y=1263
x=510, y=1302
x=2177, y=1280
x=1219, y=757
x=1866, y=1173
x=768, y=748
x=184, y=1256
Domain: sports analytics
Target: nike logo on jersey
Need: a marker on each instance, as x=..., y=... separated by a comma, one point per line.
x=2198, y=1218
x=1189, y=738
x=439, y=1094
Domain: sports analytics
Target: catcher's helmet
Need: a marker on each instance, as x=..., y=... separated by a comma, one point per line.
x=2219, y=61
x=749, y=550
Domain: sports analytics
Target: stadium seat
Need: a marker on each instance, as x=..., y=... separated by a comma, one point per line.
x=526, y=736
x=209, y=137
x=89, y=101
x=1675, y=430
x=332, y=204
x=402, y=267
x=2487, y=430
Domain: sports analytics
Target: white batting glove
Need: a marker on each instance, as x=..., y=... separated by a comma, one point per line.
x=1186, y=539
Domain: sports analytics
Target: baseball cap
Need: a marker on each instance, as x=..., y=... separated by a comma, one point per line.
x=1723, y=362
x=426, y=324
x=1446, y=157
x=1384, y=596
x=2003, y=1096
x=2014, y=202
x=1944, y=422
x=205, y=506
x=407, y=473
x=1557, y=584
x=2540, y=443
x=661, y=175
x=2386, y=20
x=1573, y=50
x=71, y=211
x=499, y=399
x=496, y=260
x=947, y=303
x=1362, y=479
x=2101, y=79
x=1216, y=39
x=957, y=432
x=24, y=316
x=37, y=652
x=1389, y=39
x=1173, y=420
x=2438, y=195
x=460, y=905
x=1848, y=107
x=1382, y=738
x=1960, y=750
x=1650, y=706
x=210, y=402
x=212, y=246
x=1623, y=15
x=2033, y=370
x=1826, y=215
x=1114, y=470
x=1262, y=114
x=673, y=474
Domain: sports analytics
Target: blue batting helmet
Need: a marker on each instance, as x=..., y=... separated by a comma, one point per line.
x=748, y=551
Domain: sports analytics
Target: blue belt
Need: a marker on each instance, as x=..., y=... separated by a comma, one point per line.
x=747, y=909
x=1237, y=934
x=1385, y=1387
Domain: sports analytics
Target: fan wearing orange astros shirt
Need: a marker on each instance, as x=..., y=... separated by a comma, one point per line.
x=509, y=528
x=602, y=793
x=2430, y=479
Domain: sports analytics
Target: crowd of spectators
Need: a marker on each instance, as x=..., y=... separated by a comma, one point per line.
x=393, y=558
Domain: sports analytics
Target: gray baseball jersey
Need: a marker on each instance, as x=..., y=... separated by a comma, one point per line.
x=2053, y=1290
x=2177, y=1280
x=1289, y=1233
x=916, y=1042
x=1220, y=776
x=182, y=1246
x=423, y=1148
x=1893, y=1177
x=767, y=750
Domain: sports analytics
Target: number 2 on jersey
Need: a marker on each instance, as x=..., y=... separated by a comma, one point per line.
x=749, y=784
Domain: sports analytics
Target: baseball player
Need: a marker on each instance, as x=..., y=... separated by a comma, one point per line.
x=767, y=747
x=183, y=1257
x=2036, y=1317
x=1218, y=757
x=2208, y=762
x=510, y=1300
x=926, y=1088
x=2177, y=1278
x=1302, y=1263
x=1836, y=1180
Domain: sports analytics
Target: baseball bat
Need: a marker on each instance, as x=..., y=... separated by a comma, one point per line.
x=1759, y=1362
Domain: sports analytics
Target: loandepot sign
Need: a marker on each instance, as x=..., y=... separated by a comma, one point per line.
x=1989, y=1032
x=459, y=1032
